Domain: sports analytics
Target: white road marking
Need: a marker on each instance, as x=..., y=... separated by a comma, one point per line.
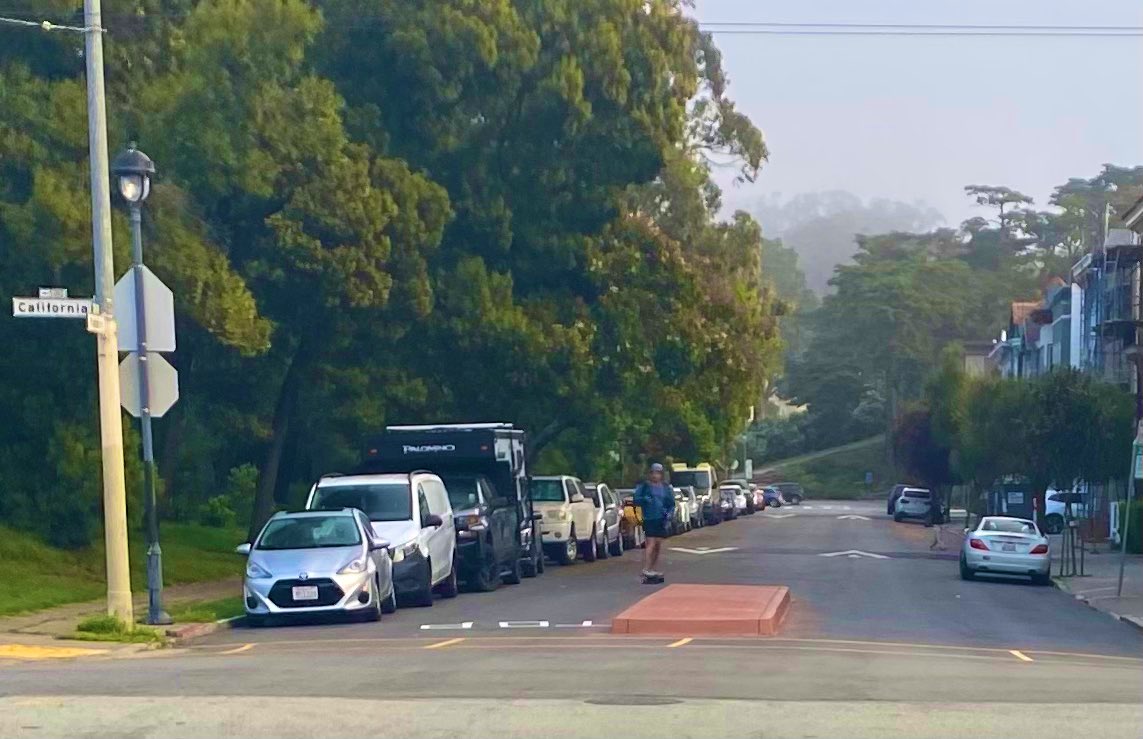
x=702, y=550
x=779, y=515
x=523, y=624
x=443, y=627
x=853, y=554
x=1020, y=655
x=584, y=625
x=852, y=517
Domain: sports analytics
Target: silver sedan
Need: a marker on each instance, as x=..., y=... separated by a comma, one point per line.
x=315, y=562
x=1005, y=545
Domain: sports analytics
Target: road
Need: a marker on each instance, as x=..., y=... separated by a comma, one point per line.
x=888, y=645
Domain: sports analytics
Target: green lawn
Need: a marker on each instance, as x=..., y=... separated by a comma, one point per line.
x=34, y=575
x=202, y=611
x=839, y=473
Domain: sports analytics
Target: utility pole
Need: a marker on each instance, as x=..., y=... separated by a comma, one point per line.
x=110, y=420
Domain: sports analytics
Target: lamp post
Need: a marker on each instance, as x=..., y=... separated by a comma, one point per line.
x=133, y=171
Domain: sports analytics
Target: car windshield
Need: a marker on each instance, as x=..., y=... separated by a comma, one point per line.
x=698, y=479
x=593, y=493
x=309, y=532
x=389, y=501
x=915, y=494
x=1009, y=526
x=462, y=492
x=548, y=490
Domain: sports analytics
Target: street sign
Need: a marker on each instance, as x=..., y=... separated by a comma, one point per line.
x=163, y=385
x=1137, y=468
x=159, y=304
x=750, y=469
x=51, y=307
x=53, y=292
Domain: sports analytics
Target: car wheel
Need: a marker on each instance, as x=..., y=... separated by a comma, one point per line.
x=601, y=549
x=591, y=547
x=1054, y=523
x=965, y=571
x=515, y=572
x=389, y=605
x=1042, y=579
x=570, y=550
x=373, y=611
x=487, y=578
x=898, y=517
x=617, y=546
x=450, y=588
x=423, y=596
x=796, y=500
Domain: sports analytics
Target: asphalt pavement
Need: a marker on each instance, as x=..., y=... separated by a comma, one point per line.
x=880, y=627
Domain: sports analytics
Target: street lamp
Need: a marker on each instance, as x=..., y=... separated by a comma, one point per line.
x=133, y=171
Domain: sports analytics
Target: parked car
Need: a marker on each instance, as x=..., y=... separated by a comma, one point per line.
x=486, y=537
x=747, y=487
x=681, y=517
x=728, y=501
x=412, y=512
x=317, y=562
x=1008, y=546
x=772, y=496
x=634, y=536
x=792, y=492
x=912, y=503
x=894, y=494
x=569, y=524
x=694, y=506
x=702, y=478
x=609, y=513
x=1056, y=508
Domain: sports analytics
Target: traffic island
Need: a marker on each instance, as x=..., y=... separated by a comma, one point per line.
x=707, y=610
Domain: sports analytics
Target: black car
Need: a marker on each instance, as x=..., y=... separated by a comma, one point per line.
x=486, y=549
x=792, y=492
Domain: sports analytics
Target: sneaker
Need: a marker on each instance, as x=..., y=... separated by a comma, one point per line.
x=652, y=578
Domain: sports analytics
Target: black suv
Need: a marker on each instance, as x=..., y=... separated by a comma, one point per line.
x=486, y=546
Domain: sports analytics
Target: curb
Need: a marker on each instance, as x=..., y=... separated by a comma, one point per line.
x=1133, y=621
x=192, y=631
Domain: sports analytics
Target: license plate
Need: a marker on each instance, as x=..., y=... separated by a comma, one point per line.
x=305, y=592
x=1008, y=548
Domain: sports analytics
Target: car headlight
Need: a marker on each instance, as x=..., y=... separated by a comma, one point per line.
x=405, y=550
x=354, y=567
x=256, y=572
x=558, y=515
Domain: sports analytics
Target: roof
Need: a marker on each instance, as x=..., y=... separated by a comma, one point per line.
x=1022, y=310
x=1134, y=217
x=313, y=513
x=341, y=480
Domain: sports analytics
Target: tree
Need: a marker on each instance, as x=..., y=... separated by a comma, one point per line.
x=917, y=450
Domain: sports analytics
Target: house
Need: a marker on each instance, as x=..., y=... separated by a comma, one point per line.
x=1108, y=279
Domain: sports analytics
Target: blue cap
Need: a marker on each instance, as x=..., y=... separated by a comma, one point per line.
x=656, y=467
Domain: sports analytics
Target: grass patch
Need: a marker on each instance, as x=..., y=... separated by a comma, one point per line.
x=206, y=611
x=109, y=628
x=34, y=575
x=841, y=473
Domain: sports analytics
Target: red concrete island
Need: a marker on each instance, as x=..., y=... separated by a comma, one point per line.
x=707, y=610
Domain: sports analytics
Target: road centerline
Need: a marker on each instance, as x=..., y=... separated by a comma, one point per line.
x=445, y=643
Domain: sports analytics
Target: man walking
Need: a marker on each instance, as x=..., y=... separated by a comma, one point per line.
x=657, y=500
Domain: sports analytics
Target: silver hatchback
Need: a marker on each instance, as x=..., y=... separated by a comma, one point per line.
x=317, y=562
x=1005, y=545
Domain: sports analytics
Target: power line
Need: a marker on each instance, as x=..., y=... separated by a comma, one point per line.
x=918, y=33
x=44, y=25
x=921, y=26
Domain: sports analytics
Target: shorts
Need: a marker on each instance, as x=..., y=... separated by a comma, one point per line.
x=657, y=529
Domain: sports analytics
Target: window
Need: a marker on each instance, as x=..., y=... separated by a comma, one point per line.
x=551, y=491
x=381, y=502
x=569, y=486
x=309, y=532
x=463, y=491
x=423, y=505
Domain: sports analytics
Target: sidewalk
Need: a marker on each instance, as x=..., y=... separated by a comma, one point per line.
x=60, y=622
x=1097, y=587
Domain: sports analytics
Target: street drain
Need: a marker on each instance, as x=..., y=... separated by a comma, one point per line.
x=633, y=700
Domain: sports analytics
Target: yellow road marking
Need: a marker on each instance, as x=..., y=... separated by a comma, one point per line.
x=239, y=650
x=31, y=652
x=1020, y=655
x=445, y=643
x=681, y=642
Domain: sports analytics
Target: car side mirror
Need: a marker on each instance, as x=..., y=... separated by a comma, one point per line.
x=966, y=530
x=378, y=544
x=537, y=516
x=243, y=549
x=432, y=520
x=577, y=498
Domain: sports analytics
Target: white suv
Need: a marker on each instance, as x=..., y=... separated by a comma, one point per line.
x=413, y=513
x=568, y=524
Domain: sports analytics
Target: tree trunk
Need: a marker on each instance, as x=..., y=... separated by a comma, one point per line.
x=546, y=435
x=268, y=472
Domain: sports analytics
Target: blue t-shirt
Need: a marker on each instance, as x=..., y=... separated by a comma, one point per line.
x=656, y=499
